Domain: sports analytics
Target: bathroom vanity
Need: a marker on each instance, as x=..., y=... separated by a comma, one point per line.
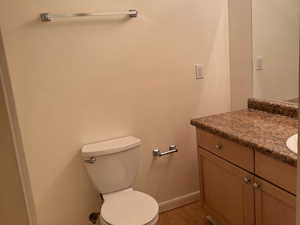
x=247, y=174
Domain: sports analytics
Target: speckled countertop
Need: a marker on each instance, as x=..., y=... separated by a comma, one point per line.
x=259, y=130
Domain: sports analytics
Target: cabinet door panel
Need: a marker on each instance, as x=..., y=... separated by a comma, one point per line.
x=273, y=205
x=226, y=190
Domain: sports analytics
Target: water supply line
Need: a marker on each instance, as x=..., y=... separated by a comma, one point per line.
x=94, y=217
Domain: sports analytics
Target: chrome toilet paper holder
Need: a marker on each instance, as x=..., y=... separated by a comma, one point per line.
x=158, y=153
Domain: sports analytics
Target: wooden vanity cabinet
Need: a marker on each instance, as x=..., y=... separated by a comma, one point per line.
x=233, y=194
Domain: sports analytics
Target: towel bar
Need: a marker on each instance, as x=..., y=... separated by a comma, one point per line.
x=48, y=17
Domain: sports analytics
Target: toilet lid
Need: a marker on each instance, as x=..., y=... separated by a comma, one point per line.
x=129, y=208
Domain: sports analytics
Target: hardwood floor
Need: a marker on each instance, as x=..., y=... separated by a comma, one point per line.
x=187, y=215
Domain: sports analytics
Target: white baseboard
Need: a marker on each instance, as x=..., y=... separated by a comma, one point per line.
x=179, y=201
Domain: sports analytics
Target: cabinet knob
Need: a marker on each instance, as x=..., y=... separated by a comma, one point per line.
x=247, y=180
x=219, y=146
x=256, y=185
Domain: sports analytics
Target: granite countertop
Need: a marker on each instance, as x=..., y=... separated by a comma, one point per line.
x=259, y=130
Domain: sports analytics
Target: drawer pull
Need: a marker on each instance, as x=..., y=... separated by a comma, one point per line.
x=256, y=185
x=247, y=180
x=219, y=146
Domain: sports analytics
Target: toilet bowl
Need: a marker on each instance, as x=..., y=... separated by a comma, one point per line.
x=112, y=166
x=129, y=207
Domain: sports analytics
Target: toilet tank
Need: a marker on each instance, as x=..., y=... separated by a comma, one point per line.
x=112, y=165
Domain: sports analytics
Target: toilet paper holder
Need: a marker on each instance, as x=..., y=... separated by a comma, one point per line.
x=172, y=149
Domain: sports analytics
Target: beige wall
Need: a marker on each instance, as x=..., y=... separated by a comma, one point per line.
x=276, y=39
x=240, y=33
x=86, y=80
x=12, y=201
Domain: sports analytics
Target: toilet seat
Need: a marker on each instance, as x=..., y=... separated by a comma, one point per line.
x=129, y=207
x=154, y=222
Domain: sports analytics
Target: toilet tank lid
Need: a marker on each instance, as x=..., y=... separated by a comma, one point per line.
x=110, y=146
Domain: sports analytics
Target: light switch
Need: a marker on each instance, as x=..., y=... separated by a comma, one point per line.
x=259, y=65
x=199, y=71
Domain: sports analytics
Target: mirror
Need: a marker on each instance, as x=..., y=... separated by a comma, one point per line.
x=264, y=50
x=275, y=42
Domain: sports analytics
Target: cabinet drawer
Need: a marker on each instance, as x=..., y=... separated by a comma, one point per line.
x=275, y=171
x=233, y=152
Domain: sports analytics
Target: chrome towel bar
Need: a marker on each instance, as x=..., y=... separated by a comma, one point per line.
x=48, y=17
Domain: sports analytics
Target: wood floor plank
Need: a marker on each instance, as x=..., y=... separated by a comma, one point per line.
x=188, y=215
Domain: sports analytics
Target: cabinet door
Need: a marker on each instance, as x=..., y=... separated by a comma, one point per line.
x=227, y=193
x=273, y=206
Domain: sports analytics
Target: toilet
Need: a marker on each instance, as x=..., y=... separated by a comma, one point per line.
x=112, y=166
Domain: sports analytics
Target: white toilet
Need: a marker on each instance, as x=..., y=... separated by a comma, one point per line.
x=112, y=166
